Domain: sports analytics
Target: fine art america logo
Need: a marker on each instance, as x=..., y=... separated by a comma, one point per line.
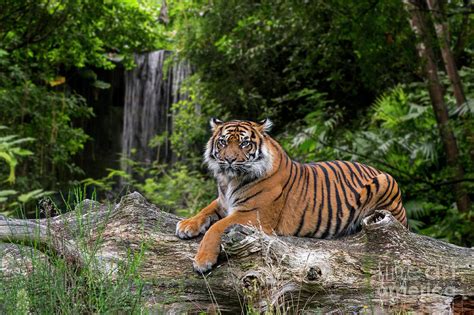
x=407, y=279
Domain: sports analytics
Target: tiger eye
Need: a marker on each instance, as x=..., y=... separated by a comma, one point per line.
x=244, y=144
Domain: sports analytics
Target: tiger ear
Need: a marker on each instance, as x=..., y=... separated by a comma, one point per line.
x=265, y=125
x=214, y=122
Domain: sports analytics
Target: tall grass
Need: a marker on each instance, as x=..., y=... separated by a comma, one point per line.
x=49, y=285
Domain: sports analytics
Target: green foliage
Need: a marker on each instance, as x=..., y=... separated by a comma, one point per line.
x=191, y=123
x=77, y=33
x=10, y=152
x=35, y=111
x=182, y=189
x=43, y=42
x=264, y=54
x=52, y=286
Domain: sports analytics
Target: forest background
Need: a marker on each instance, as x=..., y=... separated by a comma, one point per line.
x=372, y=81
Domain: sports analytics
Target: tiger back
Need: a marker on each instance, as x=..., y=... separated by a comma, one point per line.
x=258, y=184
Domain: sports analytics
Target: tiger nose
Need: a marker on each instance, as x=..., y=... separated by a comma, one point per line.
x=230, y=159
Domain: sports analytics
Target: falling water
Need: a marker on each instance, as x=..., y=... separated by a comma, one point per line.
x=149, y=95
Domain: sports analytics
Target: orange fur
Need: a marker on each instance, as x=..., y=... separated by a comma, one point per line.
x=260, y=185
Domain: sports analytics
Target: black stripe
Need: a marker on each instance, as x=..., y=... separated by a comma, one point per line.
x=351, y=208
x=348, y=206
x=396, y=211
x=261, y=180
x=301, y=224
x=238, y=202
x=242, y=184
x=339, y=214
x=361, y=174
x=297, y=167
x=368, y=170
x=368, y=195
x=294, y=178
x=248, y=210
x=353, y=173
x=377, y=185
x=315, y=185
x=288, y=191
x=259, y=148
x=398, y=194
x=346, y=180
x=328, y=187
x=374, y=170
x=402, y=218
x=321, y=208
x=387, y=193
x=304, y=182
x=286, y=184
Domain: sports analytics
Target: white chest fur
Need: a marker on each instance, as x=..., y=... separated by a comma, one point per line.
x=227, y=194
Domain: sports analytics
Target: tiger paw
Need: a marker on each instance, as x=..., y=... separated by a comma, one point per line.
x=191, y=227
x=204, y=262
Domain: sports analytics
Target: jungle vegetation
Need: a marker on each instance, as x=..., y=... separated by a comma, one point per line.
x=388, y=83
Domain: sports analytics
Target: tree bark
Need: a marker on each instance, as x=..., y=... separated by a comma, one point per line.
x=466, y=31
x=427, y=56
x=383, y=268
x=442, y=32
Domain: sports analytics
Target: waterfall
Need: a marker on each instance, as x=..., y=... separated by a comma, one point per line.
x=149, y=95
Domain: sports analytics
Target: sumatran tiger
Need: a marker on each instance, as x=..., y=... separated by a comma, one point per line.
x=258, y=184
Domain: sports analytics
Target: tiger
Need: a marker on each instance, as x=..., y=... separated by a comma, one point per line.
x=258, y=184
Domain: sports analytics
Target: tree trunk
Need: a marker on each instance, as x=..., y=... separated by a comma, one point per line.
x=441, y=28
x=383, y=268
x=466, y=30
x=427, y=56
x=442, y=32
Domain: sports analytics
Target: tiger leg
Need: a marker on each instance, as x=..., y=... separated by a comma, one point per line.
x=382, y=192
x=192, y=227
x=209, y=247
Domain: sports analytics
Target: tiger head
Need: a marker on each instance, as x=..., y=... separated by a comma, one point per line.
x=239, y=149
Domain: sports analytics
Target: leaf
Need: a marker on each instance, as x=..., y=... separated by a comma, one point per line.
x=101, y=85
x=4, y=140
x=34, y=194
x=12, y=162
x=58, y=80
x=22, y=140
x=7, y=192
x=22, y=152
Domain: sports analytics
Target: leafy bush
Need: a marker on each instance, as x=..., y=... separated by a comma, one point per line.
x=10, y=152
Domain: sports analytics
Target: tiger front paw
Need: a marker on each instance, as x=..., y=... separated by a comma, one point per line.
x=203, y=262
x=192, y=227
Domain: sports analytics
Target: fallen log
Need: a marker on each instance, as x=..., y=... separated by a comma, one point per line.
x=382, y=268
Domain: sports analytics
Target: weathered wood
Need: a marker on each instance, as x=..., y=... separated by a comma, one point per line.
x=382, y=268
